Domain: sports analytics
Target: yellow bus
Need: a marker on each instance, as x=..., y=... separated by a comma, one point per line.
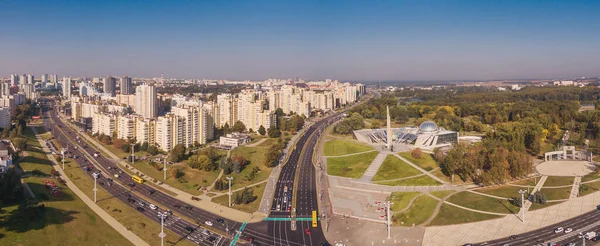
x=314, y=218
x=137, y=179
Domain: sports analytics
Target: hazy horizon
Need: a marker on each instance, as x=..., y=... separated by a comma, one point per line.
x=350, y=41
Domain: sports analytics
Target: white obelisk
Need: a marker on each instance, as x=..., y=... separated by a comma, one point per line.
x=389, y=130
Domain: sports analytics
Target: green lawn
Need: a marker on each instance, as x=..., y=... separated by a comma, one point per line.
x=126, y=215
x=256, y=156
x=343, y=147
x=528, y=182
x=505, y=191
x=421, y=209
x=195, y=178
x=418, y=181
x=483, y=203
x=426, y=161
x=556, y=193
x=591, y=176
x=350, y=166
x=401, y=199
x=250, y=207
x=394, y=168
x=64, y=215
x=267, y=143
x=536, y=206
x=558, y=181
x=589, y=188
x=441, y=194
x=449, y=215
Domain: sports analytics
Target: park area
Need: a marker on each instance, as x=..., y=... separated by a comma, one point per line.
x=394, y=168
x=63, y=213
x=350, y=166
x=337, y=147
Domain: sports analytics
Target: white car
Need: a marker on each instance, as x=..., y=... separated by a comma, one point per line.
x=557, y=230
x=152, y=206
x=208, y=223
x=568, y=230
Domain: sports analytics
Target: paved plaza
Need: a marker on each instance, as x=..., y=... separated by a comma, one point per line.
x=565, y=168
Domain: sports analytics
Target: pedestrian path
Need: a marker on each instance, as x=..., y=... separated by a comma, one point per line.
x=575, y=189
x=134, y=239
x=537, y=188
x=420, y=169
x=351, y=154
x=375, y=165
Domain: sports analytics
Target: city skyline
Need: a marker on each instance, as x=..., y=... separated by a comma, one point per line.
x=388, y=41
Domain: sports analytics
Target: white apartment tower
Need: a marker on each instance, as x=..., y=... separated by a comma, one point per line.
x=66, y=87
x=125, y=127
x=145, y=101
x=14, y=80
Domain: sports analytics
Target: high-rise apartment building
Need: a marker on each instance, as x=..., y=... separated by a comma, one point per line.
x=44, y=79
x=198, y=125
x=145, y=131
x=110, y=86
x=5, y=89
x=125, y=127
x=103, y=124
x=5, y=120
x=66, y=87
x=14, y=80
x=126, y=87
x=29, y=90
x=29, y=79
x=145, y=101
x=224, y=110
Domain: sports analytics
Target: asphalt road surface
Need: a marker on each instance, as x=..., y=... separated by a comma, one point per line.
x=306, y=197
x=109, y=168
x=546, y=234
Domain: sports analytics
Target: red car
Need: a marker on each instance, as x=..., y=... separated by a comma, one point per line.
x=249, y=239
x=307, y=231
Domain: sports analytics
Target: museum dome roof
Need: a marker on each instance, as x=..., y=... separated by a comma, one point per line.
x=428, y=126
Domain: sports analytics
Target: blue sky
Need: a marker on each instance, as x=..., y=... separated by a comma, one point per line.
x=347, y=40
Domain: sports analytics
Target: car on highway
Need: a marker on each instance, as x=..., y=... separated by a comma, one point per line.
x=568, y=230
x=590, y=235
x=513, y=237
x=220, y=220
x=189, y=229
x=116, y=175
x=571, y=244
x=249, y=239
x=208, y=223
x=131, y=184
x=150, y=192
x=152, y=206
x=307, y=231
x=140, y=209
x=142, y=204
x=559, y=229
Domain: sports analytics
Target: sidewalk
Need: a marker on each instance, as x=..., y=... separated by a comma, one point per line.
x=134, y=239
x=204, y=202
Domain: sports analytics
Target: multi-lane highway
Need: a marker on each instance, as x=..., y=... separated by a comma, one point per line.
x=305, y=193
x=580, y=224
x=85, y=152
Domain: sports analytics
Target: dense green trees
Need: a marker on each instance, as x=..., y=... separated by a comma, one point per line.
x=177, y=154
x=10, y=187
x=238, y=127
x=245, y=197
x=354, y=122
x=262, y=130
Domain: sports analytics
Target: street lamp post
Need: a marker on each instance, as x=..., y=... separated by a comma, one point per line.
x=162, y=233
x=95, y=189
x=522, y=192
x=63, y=158
x=389, y=221
x=229, y=179
x=165, y=168
x=132, y=154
